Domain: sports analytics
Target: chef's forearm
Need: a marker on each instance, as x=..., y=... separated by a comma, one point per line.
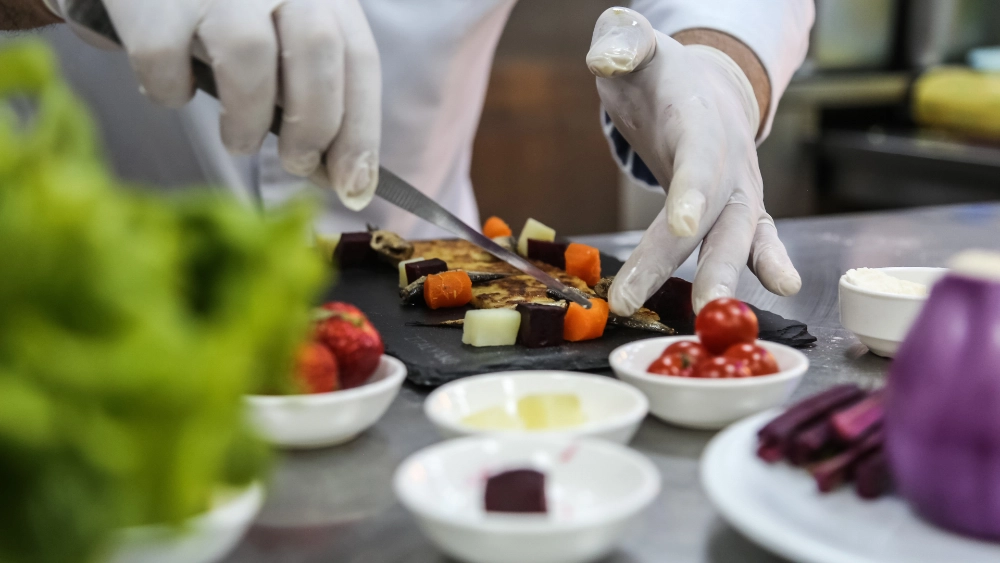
x=741, y=54
x=17, y=15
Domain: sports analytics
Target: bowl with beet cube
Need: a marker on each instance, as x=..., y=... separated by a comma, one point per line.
x=692, y=387
x=530, y=499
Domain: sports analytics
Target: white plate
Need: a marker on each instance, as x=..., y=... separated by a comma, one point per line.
x=595, y=490
x=779, y=507
x=203, y=539
x=707, y=403
x=326, y=419
x=612, y=408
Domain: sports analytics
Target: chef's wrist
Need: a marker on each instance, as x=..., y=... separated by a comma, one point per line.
x=743, y=56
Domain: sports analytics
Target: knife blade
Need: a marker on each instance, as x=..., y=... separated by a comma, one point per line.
x=398, y=192
x=93, y=16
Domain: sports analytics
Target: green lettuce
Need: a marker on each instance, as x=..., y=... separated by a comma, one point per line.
x=130, y=327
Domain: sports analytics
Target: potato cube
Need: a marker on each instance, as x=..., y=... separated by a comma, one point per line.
x=491, y=327
x=534, y=230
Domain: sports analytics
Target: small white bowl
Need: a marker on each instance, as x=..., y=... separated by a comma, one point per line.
x=707, y=404
x=326, y=419
x=612, y=409
x=203, y=539
x=881, y=320
x=595, y=490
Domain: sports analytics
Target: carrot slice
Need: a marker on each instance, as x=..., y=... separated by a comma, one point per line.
x=585, y=324
x=448, y=289
x=584, y=262
x=495, y=227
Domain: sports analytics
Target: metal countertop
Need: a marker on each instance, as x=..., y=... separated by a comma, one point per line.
x=337, y=505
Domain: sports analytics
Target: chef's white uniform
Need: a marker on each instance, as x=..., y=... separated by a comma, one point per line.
x=436, y=57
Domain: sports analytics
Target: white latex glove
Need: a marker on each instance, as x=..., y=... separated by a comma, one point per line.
x=319, y=54
x=691, y=114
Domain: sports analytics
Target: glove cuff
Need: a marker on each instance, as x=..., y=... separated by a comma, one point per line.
x=735, y=75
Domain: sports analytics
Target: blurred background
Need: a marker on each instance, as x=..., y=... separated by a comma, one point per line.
x=844, y=136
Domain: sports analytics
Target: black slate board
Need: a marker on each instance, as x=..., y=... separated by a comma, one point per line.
x=436, y=355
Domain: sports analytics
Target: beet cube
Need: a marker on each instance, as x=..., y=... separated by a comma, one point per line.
x=552, y=253
x=519, y=490
x=673, y=303
x=415, y=270
x=354, y=250
x=541, y=325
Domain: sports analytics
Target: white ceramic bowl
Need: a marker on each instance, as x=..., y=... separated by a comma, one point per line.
x=881, y=320
x=595, y=490
x=707, y=403
x=326, y=419
x=612, y=409
x=204, y=539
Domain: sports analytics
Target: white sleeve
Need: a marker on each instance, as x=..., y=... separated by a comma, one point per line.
x=776, y=30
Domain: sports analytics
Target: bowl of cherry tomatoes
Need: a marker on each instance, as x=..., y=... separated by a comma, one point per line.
x=719, y=376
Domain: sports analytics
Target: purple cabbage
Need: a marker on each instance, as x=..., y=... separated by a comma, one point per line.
x=942, y=411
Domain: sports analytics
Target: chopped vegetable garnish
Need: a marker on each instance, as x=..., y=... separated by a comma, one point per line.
x=552, y=253
x=448, y=289
x=416, y=270
x=585, y=324
x=353, y=250
x=496, y=227
x=533, y=230
x=584, y=262
x=491, y=327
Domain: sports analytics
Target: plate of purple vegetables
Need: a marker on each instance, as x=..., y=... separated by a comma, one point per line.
x=812, y=484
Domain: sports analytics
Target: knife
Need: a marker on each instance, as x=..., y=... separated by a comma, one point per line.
x=93, y=16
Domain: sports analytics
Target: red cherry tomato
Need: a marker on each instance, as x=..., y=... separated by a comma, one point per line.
x=693, y=350
x=759, y=360
x=721, y=367
x=678, y=364
x=724, y=322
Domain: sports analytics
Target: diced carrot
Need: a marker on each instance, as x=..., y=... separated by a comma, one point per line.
x=448, y=289
x=585, y=324
x=495, y=227
x=584, y=262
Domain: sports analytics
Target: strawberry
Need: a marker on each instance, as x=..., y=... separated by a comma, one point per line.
x=316, y=369
x=352, y=339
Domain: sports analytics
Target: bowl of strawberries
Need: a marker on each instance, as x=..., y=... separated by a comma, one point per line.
x=342, y=384
x=719, y=376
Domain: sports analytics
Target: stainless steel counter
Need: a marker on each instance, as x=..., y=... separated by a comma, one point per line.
x=336, y=505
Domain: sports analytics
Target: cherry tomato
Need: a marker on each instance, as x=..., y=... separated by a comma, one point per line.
x=724, y=322
x=721, y=367
x=693, y=350
x=759, y=360
x=678, y=364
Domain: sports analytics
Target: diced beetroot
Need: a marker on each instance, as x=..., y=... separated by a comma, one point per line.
x=519, y=490
x=416, y=270
x=831, y=473
x=871, y=476
x=541, y=325
x=781, y=429
x=853, y=422
x=552, y=253
x=673, y=303
x=354, y=250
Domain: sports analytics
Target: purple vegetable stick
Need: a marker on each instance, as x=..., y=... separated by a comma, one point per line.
x=780, y=429
x=871, y=476
x=852, y=423
x=829, y=474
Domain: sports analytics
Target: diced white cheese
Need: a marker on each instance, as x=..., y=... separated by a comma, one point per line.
x=327, y=244
x=534, y=229
x=491, y=327
x=402, y=270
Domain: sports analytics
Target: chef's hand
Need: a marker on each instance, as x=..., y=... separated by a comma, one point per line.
x=691, y=114
x=319, y=54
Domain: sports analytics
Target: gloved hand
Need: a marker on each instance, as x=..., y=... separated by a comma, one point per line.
x=690, y=113
x=319, y=54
